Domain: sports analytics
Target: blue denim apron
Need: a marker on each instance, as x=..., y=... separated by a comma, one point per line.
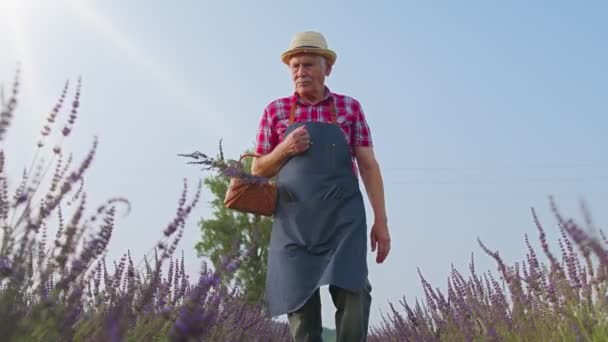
x=319, y=232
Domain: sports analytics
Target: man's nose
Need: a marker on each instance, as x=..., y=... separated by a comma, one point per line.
x=301, y=71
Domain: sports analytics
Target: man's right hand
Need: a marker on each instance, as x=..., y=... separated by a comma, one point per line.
x=294, y=143
x=297, y=141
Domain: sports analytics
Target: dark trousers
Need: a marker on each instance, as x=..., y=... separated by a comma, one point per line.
x=352, y=316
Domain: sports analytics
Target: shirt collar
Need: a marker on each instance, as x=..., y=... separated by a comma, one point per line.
x=296, y=97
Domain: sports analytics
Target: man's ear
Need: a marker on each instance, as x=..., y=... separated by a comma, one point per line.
x=328, y=71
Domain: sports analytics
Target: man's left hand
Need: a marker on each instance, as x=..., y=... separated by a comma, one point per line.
x=380, y=239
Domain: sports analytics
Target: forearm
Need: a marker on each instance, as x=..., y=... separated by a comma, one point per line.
x=372, y=179
x=269, y=164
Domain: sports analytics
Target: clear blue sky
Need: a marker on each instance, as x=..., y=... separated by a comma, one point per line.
x=479, y=110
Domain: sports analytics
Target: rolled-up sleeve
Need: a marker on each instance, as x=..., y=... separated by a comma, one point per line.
x=266, y=138
x=361, y=133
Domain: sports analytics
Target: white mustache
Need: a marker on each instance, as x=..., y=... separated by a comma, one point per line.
x=304, y=79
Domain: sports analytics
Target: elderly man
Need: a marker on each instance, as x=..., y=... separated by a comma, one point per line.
x=316, y=143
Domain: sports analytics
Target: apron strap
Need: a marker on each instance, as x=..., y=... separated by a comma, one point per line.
x=332, y=111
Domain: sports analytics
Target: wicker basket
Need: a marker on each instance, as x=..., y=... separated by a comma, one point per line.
x=252, y=198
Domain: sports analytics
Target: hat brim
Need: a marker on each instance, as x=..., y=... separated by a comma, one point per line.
x=329, y=54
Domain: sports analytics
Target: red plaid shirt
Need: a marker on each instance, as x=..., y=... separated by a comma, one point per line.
x=349, y=116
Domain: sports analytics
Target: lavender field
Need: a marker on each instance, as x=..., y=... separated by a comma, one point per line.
x=563, y=299
x=61, y=287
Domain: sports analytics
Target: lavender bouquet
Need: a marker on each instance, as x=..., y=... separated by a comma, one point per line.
x=227, y=167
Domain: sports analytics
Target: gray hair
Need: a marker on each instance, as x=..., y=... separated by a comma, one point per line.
x=323, y=62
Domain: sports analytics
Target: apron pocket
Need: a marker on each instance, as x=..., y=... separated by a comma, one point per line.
x=313, y=224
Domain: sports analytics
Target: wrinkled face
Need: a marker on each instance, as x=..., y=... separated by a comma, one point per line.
x=308, y=73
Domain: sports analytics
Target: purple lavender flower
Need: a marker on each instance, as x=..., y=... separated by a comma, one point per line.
x=215, y=280
x=6, y=268
x=232, y=266
x=232, y=172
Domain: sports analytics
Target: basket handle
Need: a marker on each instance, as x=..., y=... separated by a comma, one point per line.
x=247, y=155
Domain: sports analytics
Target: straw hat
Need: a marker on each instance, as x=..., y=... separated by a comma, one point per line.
x=309, y=42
